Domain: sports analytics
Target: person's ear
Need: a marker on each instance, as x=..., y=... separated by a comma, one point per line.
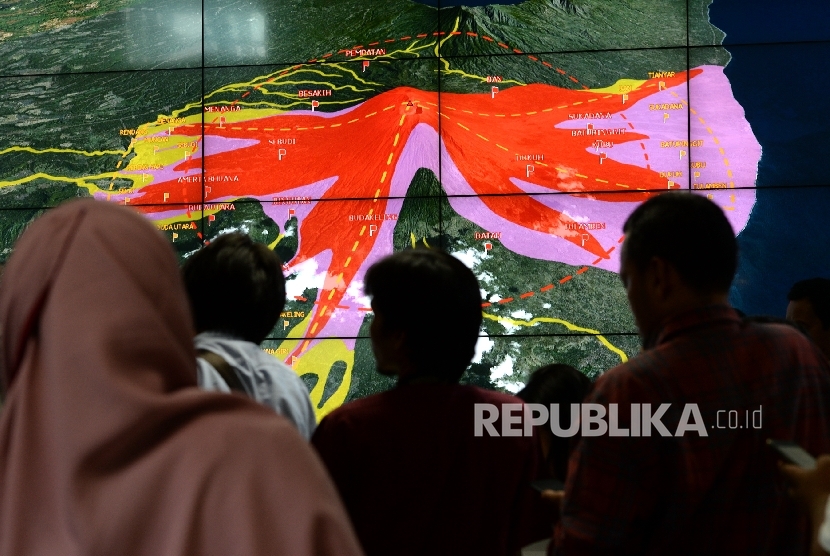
x=397, y=340
x=662, y=278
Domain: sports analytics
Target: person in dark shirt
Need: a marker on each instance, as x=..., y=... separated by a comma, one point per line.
x=687, y=470
x=415, y=477
x=809, y=308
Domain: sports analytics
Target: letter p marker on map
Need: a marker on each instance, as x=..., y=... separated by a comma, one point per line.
x=281, y=153
x=529, y=169
x=314, y=104
x=166, y=196
x=365, y=64
x=372, y=229
x=682, y=154
x=493, y=92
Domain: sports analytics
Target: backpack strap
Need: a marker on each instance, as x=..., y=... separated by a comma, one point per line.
x=223, y=368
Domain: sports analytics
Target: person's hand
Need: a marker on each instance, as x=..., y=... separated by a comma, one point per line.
x=808, y=485
x=554, y=497
x=811, y=487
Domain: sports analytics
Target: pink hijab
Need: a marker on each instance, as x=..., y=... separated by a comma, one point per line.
x=106, y=446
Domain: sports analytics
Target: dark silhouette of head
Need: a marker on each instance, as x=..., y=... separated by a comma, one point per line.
x=809, y=308
x=563, y=385
x=235, y=286
x=679, y=253
x=427, y=307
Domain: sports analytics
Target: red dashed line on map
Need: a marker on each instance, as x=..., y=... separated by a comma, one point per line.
x=543, y=289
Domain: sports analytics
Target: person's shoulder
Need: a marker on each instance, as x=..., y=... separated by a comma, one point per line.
x=773, y=330
x=238, y=426
x=363, y=408
x=277, y=368
x=482, y=395
x=634, y=377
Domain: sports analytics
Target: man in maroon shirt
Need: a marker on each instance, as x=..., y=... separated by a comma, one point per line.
x=413, y=474
x=703, y=482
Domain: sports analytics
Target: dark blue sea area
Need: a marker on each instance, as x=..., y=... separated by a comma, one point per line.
x=783, y=88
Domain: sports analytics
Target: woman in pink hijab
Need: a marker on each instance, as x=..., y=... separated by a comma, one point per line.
x=106, y=445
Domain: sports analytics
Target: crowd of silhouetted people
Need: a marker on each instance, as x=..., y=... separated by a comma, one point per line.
x=141, y=417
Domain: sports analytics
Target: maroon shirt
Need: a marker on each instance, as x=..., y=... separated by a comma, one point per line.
x=416, y=480
x=719, y=494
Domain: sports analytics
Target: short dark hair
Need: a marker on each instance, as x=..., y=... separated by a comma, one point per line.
x=557, y=384
x=436, y=301
x=817, y=292
x=235, y=286
x=688, y=231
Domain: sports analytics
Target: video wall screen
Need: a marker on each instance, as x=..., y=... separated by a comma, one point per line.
x=516, y=136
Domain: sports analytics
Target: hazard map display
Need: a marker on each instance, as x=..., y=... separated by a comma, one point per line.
x=517, y=137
